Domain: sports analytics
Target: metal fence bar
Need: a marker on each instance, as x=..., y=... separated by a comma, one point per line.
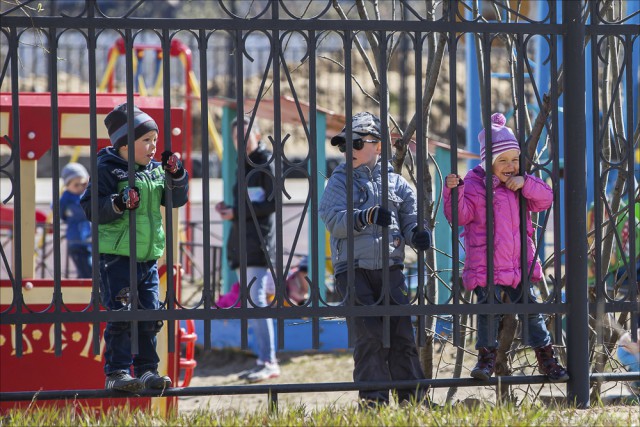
x=284, y=388
x=170, y=295
x=575, y=195
x=209, y=257
x=93, y=144
x=55, y=184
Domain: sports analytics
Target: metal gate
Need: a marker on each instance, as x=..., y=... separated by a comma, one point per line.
x=567, y=72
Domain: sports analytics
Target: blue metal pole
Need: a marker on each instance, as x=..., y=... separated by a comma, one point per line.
x=542, y=78
x=541, y=72
x=560, y=143
x=589, y=122
x=443, y=232
x=472, y=101
x=633, y=6
x=321, y=131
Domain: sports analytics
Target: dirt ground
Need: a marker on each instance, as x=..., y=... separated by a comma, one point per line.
x=221, y=368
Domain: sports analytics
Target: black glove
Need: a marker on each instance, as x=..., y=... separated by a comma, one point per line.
x=421, y=240
x=172, y=164
x=128, y=198
x=374, y=215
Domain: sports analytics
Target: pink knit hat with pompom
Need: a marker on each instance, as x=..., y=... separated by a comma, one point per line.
x=502, y=138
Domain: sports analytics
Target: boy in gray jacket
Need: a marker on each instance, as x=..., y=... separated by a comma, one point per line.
x=373, y=362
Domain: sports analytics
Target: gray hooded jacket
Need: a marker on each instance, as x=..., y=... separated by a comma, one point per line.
x=367, y=192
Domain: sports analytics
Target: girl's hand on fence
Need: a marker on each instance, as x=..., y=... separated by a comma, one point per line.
x=453, y=180
x=515, y=183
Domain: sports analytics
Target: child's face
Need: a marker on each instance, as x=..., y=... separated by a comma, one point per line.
x=507, y=164
x=369, y=153
x=252, y=139
x=77, y=185
x=144, y=148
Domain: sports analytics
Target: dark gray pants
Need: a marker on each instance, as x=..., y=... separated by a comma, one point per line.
x=373, y=362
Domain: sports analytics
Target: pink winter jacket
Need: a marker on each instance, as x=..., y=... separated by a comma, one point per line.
x=472, y=215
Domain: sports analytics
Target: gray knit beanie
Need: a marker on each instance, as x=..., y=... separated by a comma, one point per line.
x=73, y=170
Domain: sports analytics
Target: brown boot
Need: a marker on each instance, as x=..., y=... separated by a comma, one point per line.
x=548, y=364
x=486, y=365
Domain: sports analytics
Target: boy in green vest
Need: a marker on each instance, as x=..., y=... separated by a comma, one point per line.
x=115, y=201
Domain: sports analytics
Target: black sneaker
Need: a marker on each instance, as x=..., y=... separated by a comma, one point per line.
x=153, y=381
x=124, y=382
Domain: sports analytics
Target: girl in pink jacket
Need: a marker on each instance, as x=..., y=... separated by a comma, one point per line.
x=507, y=186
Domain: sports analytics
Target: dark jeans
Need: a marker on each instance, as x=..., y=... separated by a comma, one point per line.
x=373, y=362
x=81, y=257
x=538, y=335
x=114, y=284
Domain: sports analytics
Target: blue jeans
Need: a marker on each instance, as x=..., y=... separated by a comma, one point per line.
x=538, y=335
x=114, y=285
x=631, y=362
x=81, y=257
x=263, y=328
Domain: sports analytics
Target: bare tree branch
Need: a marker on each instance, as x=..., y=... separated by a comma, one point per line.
x=363, y=54
x=432, y=79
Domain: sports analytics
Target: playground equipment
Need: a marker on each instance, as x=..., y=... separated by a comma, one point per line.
x=191, y=85
x=38, y=368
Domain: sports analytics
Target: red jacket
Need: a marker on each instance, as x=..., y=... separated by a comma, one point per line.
x=472, y=215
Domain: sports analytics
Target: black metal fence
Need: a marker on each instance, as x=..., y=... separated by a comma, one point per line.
x=557, y=138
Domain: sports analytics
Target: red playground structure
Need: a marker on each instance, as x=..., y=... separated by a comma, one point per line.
x=78, y=368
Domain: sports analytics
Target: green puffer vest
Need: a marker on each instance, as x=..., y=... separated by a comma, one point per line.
x=150, y=239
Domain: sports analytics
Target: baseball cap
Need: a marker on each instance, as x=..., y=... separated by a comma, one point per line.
x=362, y=124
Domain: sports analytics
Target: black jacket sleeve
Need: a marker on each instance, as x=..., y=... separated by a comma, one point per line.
x=107, y=190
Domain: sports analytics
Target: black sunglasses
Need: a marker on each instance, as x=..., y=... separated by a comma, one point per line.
x=358, y=144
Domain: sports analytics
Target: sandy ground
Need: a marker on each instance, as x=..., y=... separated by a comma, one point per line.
x=221, y=368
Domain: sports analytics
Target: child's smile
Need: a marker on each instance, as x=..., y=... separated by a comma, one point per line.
x=507, y=165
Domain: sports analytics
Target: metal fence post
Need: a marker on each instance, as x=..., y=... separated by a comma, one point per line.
x=576, y=196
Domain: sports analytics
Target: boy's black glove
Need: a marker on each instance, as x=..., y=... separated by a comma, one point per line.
x=172, y=164
x=127, y=199
x=421, y=240
x=374, y=215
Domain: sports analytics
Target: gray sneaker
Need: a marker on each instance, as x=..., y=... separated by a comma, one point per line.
x=244, y=374
x=124, y=382
x=264, y=372
x=153, y=381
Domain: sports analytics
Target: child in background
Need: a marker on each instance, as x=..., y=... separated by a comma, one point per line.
x=373, y=362
x=629, y=356
x=297, y=287
x=507, y=187
x=115, y=201
x=259, y=187
x=78, y=236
